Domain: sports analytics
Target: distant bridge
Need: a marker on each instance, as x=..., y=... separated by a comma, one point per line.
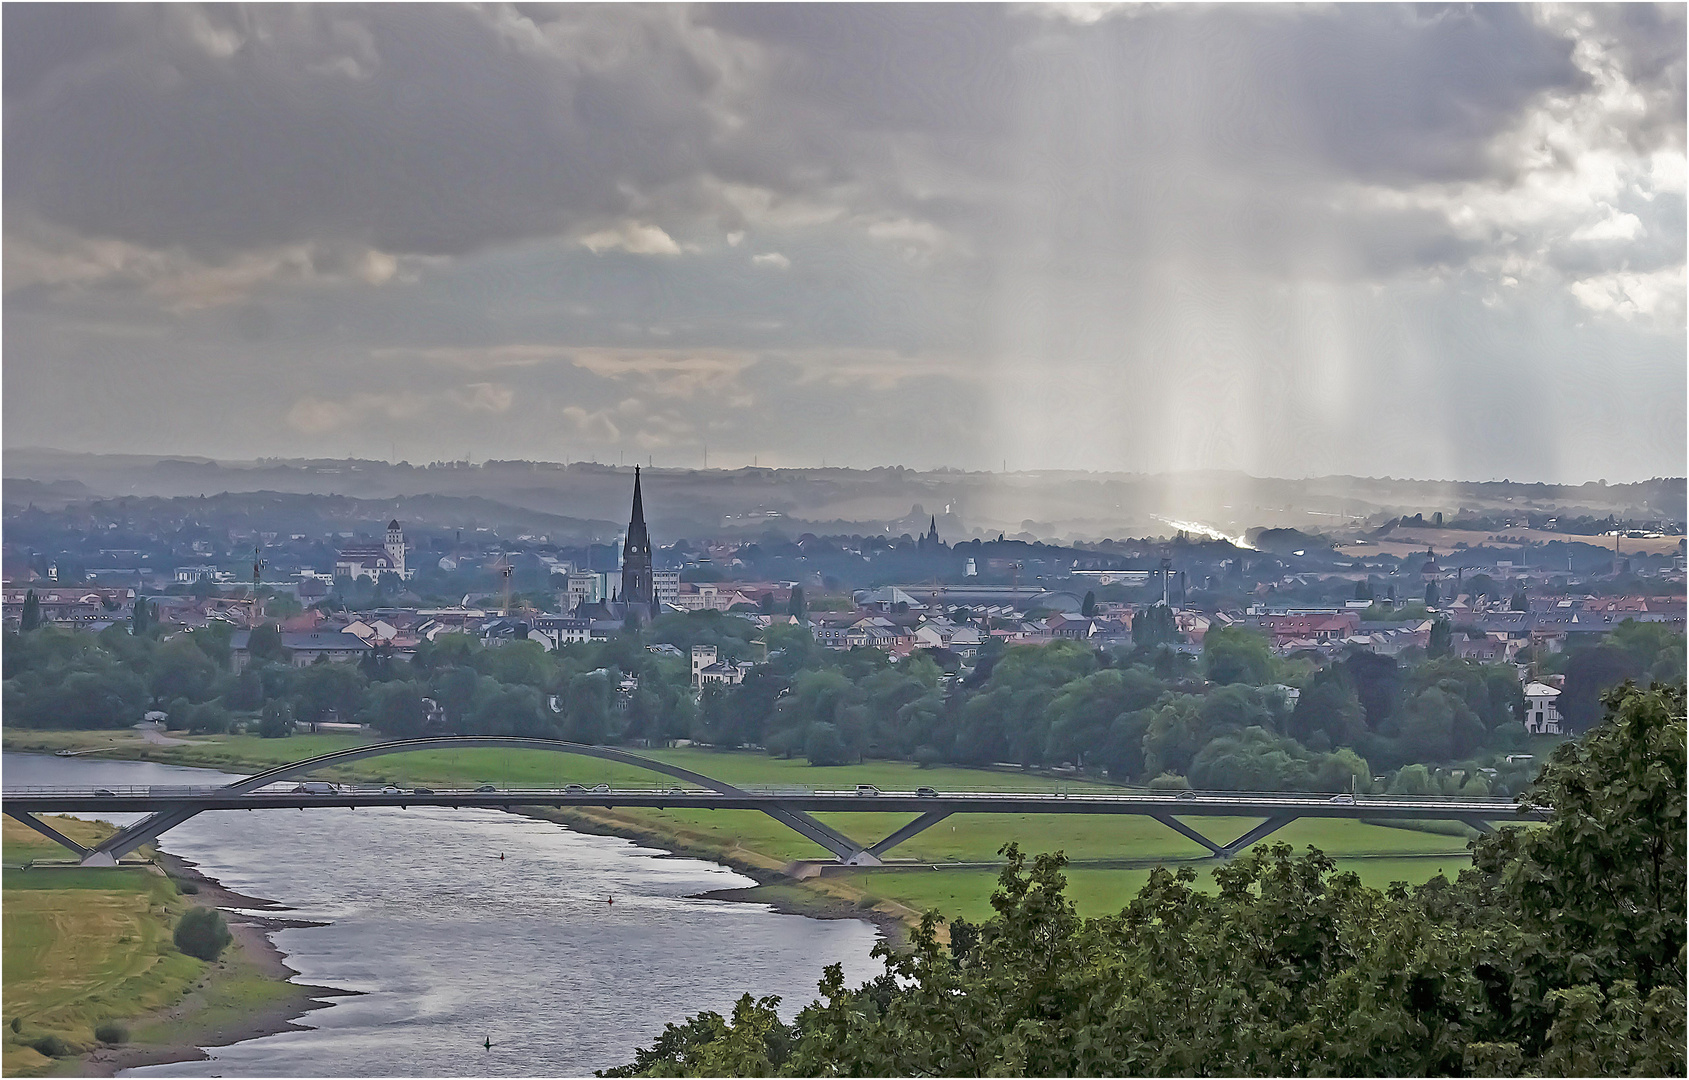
x=170, y=805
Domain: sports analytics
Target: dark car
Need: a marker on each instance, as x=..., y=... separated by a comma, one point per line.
x=926, y=793
x=486, y=787
x=574, y=789
x=422, y=791
x=1187, y=794
x=105, y=791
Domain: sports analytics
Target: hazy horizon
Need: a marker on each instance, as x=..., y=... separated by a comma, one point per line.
x=270, y=459
x=1300, y=241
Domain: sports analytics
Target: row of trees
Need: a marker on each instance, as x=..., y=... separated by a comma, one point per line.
x=1238, y=717
x=1559, y=953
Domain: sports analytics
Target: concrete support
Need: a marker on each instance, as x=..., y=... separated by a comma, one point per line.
x=1266, y=828
x=1479, y=823
x=919, y=825
x=49, y=832
x=1185, y=830
x=847, y=851
x=145, y=831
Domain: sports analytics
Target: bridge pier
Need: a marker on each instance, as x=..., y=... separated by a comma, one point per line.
x=52, y=834
x=919, y=825
x=1227, y=851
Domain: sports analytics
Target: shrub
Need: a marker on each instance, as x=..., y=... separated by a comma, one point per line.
x=189, y=887
x=17, y=1024
x=866, y=901
x=111, y=1032
x=52, y=1046
x=202, y=933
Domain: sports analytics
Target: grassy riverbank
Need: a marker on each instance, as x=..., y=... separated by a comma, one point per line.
x=1112, y=853
x=86, y=948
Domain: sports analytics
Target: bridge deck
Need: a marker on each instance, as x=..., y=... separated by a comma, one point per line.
x=119, y=800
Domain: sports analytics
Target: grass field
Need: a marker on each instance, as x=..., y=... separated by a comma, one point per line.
x=82, y=946
x=751, y=838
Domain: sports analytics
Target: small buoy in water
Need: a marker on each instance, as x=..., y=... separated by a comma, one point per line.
x=501, y=856
x=609, y=899
x=489, y=1043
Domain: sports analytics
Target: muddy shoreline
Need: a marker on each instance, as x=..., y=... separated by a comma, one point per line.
x=251, y=936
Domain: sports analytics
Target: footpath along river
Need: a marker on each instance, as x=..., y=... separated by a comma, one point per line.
x=449, y=946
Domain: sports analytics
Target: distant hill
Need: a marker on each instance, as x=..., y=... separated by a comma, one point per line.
x=594, y=498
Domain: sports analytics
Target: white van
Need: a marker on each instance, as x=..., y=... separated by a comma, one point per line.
x=317, y=787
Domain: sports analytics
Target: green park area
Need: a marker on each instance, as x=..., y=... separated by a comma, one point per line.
x=1111, y=854
x=83, y=948
x=90, y=960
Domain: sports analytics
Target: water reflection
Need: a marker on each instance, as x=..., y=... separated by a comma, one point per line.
x=451, y=945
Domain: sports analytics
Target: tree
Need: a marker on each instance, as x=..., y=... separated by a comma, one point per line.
x=1154, y=626
x=1433, y=596
x=181, y=669
x=142, y=617
x=1559, y=953
x=328, y=690
x=276, y=721
x=395, y=709
x=796, y=605
x=1600, y=889
x=1328, y=706
x=1089, y=607
x=1363, y=589
x=823, y=746
x=1442, y=638
x=31, y=618
x=201, y=932
x=265, y=643
x=1232, y=654
x=1520, y=601
x=1590, y=673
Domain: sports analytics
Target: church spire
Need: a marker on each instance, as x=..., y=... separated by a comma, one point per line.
x=637, y=587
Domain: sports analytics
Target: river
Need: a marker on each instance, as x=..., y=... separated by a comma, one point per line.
x=450, y=946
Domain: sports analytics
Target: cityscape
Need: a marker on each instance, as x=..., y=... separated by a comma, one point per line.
x=813, y=540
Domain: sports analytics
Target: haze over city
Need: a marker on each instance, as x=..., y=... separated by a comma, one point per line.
x=1443, y=243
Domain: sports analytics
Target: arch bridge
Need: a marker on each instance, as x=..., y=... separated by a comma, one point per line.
x=169, y=806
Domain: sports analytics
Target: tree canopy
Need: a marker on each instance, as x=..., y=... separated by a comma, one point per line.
x=1560, y=952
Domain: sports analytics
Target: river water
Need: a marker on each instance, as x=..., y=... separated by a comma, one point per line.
x=451, y=946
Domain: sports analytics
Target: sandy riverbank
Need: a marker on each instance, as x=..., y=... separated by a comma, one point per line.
x=210, y=1015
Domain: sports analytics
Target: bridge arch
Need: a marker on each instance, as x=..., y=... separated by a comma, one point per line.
x=152, y=827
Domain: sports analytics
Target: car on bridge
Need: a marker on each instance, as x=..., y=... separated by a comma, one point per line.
x=319, y=787
x=574, y=789
x=926, y=793
x=867, y=789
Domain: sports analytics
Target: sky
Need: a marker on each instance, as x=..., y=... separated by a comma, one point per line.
x=1440, y=242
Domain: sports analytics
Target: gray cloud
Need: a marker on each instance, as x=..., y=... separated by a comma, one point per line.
x=928, y=233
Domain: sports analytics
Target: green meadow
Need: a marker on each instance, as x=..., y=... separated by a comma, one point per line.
x=1097, y=843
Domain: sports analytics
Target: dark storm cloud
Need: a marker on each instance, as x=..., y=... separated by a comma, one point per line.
x=442, y=130
x=434, y=131
x=819, y=224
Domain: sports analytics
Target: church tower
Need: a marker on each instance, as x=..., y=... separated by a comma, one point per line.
x=396, y=548
x=930, y=543
x=637, y=590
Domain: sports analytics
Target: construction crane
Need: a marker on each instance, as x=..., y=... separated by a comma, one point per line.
x=504, y=568
x=258, y=565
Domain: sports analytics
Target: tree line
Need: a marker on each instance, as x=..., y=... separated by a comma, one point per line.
x=1559, y=953
x=1236, y=717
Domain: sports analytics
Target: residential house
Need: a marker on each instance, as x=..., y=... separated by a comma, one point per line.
x=1542, y=716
